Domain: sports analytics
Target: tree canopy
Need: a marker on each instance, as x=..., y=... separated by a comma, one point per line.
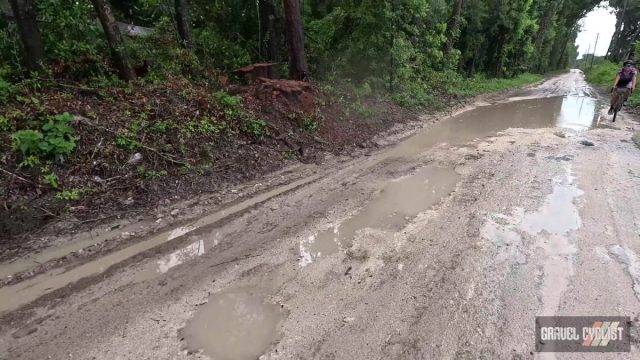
x=388, y=43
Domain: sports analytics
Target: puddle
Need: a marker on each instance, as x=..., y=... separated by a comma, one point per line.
x=552, y=223
x=572, y=112
x=180, y=256
x=13, y=296
x=577, y=113
x=153, y=269
x=551, y=226
x=233, y=325
x=630, y=261
x=558, y=214
x=398, y=202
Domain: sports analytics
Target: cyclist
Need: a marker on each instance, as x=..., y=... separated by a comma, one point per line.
x=624, y=84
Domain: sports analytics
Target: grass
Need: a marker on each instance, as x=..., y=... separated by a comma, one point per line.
x=436, y=90
x=480, y=84
x=602, y=75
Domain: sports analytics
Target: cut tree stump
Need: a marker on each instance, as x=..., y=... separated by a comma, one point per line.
x=296, y=92
x=253, y=72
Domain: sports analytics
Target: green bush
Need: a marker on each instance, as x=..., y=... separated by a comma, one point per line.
x=4, y=124
x=27, y=142
x=50, y=179
x=256, y=128
x=69, y=195
x=54, y=141
x=6, y=91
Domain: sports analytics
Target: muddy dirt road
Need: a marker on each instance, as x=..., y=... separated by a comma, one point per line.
x=445, y=244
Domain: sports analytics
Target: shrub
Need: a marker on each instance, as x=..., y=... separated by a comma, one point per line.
x=27, y=142
x=50, y=179
x=256, y=128
x=6, y=91
x=55, y=141
x=68, y=195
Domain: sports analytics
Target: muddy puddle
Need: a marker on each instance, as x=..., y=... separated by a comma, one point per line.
x=164, y=264
x=234, y=325
x=13, y=296
x=550, y=226
x=396, y=204
x=572, y=112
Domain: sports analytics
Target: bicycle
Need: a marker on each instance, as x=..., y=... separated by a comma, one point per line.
x=618, y=97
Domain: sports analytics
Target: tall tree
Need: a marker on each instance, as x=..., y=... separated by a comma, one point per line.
x=453, y=28
x=295, y=40
x=114, y=39
x=627, y=31
x=182, y=22
x=269, y=42
x=25, y=16
x=541, y=45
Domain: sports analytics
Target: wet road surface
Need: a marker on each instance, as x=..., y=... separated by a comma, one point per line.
x=445, y=245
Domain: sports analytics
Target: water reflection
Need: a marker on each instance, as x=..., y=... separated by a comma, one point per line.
x=578, y=113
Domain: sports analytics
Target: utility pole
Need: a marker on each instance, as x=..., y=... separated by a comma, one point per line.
x=585, y=57
x=594, y=51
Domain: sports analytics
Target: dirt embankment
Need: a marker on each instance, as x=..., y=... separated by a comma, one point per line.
x=142, y=145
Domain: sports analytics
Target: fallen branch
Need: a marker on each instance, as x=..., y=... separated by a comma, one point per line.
x=165, y=156
x=17, y=177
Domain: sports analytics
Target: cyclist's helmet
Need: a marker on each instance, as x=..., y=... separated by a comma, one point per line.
x=629, y=63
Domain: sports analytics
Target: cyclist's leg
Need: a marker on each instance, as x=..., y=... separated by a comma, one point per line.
x=623, y=95
x=627, y=94
x=614, y=101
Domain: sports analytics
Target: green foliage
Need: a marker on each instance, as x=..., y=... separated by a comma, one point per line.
x=602, y=75
x=160, y=127
x=309, y=124
x=289, y=155
x=50, y=179
x=150, y=174
x=69, y=195
x=218, y=51
x=54, y=141
x=27, y=142
x=230, y=104
x=204, y=126
x=4, y=124
x=125, y=140
x=256, y=128
x=6, y=91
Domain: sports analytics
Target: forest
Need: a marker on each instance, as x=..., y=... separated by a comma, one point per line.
x=110, y=105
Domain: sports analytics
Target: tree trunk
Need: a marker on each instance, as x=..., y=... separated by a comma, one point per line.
x=182, y=21
x=452, y=28
x=546, y=20
x=616, y=35
x=114, y=39
x=295, y=40
x=269, y=43
x=25, y=16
